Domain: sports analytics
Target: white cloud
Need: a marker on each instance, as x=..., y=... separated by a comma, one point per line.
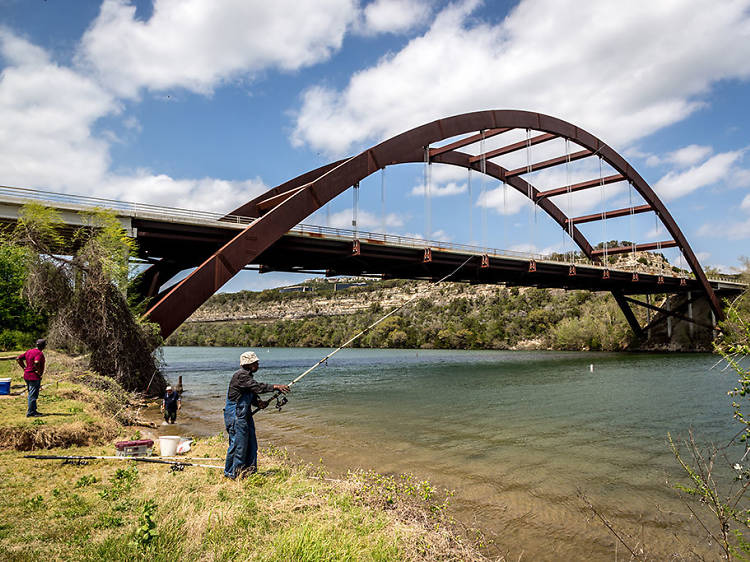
x=133, y=124
x=686, y=156
x=444, y=181
x=525, y=248
x=726, y=230
x=689, y=155
x=47, y=114
x=394, y=16
x=504, y=200
x=46, y=139
x=618, y=84
x=533, y=249
x=634, y=152
x=437, y=190
x=445, y=173
x=437, y=236
x=206, y=194
x=197, y=44
x=746, y=202
x=441, y=236
x=365, y=220
x=740, y=178
x=676, y=184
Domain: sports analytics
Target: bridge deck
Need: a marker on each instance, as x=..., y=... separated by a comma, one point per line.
x=187, y=237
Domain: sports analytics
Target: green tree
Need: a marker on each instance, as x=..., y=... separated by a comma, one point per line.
x=81, y=282
x=397, y=338
x=20, y=324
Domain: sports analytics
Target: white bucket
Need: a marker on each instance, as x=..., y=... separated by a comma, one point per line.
x=168, y=445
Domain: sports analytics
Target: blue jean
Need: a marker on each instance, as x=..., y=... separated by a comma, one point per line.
x=242, y=453
x=33, y=388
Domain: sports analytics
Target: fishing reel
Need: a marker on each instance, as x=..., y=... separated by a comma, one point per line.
x=281, y=401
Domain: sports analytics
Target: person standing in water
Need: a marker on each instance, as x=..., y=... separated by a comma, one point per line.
x=170, y=404
x=243, y=394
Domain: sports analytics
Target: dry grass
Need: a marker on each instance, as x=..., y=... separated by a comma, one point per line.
x=80, y=407
x=30, y=438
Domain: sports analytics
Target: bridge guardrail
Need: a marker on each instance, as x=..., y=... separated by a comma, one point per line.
x=159, y=212
x=130, y=208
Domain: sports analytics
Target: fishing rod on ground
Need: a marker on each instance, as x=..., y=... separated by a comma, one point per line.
x=81, y=460
x=281, y=400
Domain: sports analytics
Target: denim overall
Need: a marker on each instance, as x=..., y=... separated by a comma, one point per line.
x=33, y=388
x=242, y=454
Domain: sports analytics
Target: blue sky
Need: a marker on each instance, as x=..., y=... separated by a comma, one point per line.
x=206, y=103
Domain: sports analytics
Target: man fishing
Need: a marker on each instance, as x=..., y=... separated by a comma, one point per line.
x=243, y=394
x=32, y=362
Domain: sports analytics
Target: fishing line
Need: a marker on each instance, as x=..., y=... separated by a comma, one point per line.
x=281, y=400
x=371, y=326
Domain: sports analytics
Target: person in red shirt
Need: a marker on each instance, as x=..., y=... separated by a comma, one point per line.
x=32, y=363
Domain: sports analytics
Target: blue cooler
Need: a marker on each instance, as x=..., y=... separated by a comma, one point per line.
x=4, y=386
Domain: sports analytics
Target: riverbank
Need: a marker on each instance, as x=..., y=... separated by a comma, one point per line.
x=452, y=316
x=121, y=510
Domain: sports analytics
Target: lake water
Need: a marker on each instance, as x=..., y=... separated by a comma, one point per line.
x=515, y=434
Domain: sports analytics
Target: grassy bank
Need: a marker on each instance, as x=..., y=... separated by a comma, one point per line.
x=81, y=408
x=121, y=510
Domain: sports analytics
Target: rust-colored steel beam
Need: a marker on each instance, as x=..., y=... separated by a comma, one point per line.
x=582, y=185
x=271, y=202
x=549, y=163
x=628, y=312
x=612, y=214
x=330, y=181
x=637, y=248
x=665, y=312
x=513, y=147
x=523, y=187
x=468, y=140
x=147, y=283
x=250, y=209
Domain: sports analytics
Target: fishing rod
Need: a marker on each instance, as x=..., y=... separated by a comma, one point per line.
x=176, y=465
x=194, y=458
x=281, y=400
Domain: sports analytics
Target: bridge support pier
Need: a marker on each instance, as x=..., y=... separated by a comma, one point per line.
x=683, y=322
x=629, y=315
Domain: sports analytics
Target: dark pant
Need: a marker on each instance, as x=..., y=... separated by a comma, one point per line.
x=33, y=388
x=170, y=415
x=242, y=453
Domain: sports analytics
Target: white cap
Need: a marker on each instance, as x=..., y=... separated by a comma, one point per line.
x=169, y=388
x=248, y=358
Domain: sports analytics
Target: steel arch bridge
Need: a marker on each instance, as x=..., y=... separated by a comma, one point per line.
x=282, y=207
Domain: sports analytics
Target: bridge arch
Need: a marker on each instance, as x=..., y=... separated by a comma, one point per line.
x=286, y=205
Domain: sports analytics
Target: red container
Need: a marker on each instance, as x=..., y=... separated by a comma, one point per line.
x=138, y=448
